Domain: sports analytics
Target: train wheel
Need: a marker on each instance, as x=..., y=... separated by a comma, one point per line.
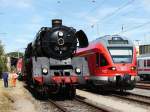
x=70, y=92
x=40, y=93
x=141, y=78
x=35, y=93
x=122, y=90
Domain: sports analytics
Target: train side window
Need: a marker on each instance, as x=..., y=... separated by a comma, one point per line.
x=138, y=63
x=144, y=63
x=86, y=58
x=148, y=63
x=97, y=59
x=103, y=61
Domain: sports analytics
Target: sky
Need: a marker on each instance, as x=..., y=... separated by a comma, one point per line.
x=20, y=20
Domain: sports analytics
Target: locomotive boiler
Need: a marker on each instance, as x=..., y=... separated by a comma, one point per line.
x=48, y=64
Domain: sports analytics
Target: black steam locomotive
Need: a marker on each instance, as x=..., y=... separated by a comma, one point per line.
x=47, y=62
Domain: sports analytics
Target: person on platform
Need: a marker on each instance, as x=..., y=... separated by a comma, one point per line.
x=14, y=78
x=5, y=79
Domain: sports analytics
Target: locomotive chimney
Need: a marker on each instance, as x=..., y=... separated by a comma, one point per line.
x=56, y=22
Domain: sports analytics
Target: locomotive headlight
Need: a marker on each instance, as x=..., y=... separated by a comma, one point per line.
x=112, y=68
x=78, y=70
x=133, y=68
x=132, y=77
x=60, y=34
x=45, y=71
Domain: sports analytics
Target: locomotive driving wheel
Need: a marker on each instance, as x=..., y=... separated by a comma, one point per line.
x=40, y=92
x=70, y=92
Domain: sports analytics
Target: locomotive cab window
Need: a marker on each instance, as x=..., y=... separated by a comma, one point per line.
x=103, y=60
x=100, y=60
x=97, y=59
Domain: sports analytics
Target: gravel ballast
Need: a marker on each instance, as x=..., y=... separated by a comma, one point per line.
x=19, y=99
x=115, y=103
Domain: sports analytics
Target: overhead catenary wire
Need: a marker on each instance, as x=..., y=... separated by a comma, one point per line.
x=94, y=8
x=118, y=9
x=135, y=27
x=106, y=17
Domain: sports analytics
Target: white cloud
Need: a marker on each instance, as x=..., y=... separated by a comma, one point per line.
x=137, y=20
x=16, y=3
x=146, y=4
x=91, y=19
x=36, y=19
x=21, y=40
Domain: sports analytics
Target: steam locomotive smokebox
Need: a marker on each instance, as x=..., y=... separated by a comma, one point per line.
x=57, y=42
x=56, y=22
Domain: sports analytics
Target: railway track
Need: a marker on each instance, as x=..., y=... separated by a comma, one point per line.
x=79, y=105
x=58, y=105
x=141, y=99
x=144, y=82
x=143, y=86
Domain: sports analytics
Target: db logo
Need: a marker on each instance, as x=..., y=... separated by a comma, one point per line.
x=123, y=68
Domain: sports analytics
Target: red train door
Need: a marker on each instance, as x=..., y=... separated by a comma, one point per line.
x=91, y=64
x=101, y=64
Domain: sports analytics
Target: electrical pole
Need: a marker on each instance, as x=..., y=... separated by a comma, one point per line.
x=18, y=53
x=122, y=28
x=98, y=29
x=138, y=42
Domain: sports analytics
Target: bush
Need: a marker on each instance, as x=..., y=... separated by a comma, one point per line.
x=3, y=60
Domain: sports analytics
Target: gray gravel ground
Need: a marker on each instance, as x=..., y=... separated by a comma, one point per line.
x=141, y=91
x=19, y=99
x=76, y=106
x=116, y=103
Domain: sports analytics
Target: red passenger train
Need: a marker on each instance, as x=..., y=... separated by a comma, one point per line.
x=111, y=63
x=144, y=66
x=19, y=65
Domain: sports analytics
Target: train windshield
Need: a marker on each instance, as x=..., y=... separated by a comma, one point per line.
x=121, y=54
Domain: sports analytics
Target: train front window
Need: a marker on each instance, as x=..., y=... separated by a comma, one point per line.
x=121, y=54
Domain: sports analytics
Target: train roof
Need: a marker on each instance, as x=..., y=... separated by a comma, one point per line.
x=113, y=40
x=106, y=41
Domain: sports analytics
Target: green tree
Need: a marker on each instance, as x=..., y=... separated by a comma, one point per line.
x=3, y=60
x=15, y=54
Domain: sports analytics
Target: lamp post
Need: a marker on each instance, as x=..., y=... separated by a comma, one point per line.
x=138, y=42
